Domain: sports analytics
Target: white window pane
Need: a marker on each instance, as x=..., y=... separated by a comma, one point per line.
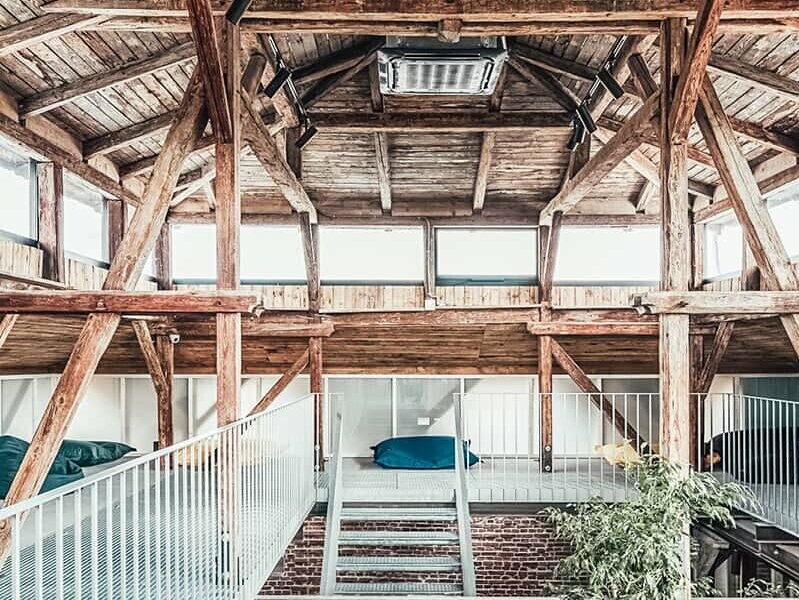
x=786, y=219
x=723, y=247
x=149, y=266
x=608, y=254
x=84, y=230
x=15, y=207
x=371, y=254
x=486, y=253
x=194, y=252
x=271, y=254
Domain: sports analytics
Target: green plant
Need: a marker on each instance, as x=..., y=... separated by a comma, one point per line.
x=757, y=588
x=632, y=550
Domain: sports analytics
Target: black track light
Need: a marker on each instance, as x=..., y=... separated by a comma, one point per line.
x=306, y=137
x=237, y=10
x=610, y=84
x=280, y=78
x=577, y=136
x=584, y=115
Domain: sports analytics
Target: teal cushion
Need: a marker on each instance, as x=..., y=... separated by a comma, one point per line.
x=12, y=451
x=420, y=452
x=90, y=454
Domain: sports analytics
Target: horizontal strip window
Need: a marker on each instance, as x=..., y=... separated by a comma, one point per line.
x=486, y=255
x=608, y=283
x=88, y=260
x=18, y=239
x=455, y=280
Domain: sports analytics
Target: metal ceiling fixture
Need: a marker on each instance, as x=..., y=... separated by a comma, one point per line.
x=415, y=65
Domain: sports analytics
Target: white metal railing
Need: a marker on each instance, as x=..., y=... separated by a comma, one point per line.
x=754, y=441
x=592, y=437
x=335, y=501
x=205, y=518
x=462, y=504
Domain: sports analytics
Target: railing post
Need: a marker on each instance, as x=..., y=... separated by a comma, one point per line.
x=462, y=504
x=327, y=585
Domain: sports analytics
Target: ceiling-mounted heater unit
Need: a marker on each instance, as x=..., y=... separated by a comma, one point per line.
x=414, y=65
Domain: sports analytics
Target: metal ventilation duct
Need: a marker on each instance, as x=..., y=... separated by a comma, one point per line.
x=423, y=66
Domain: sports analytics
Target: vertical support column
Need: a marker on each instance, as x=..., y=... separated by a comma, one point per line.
x=545, y=393
x=166, y=358
x=317, y=386
x=117, y=223
x=163, y=258
x=50, y=178
x=429, y=266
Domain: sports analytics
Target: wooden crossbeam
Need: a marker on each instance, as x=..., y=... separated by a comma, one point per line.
x=549, y=258
x=399, y=122
x=268, y=325
x=42, y=29
x=332, y=63
x=435, y=10
x=281, y=384
x=709, y=303
x=542, y=77
x=69, y=92
x=627, y=139
x=583, y=381
x=114, y=301
x=552, y=62
x=161, y=378
x=758, y=77
x=759, y=231
x=483, y=169
x=561, y=328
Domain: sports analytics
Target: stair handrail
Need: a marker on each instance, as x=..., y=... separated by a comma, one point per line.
x=334, y=504
x=462, y=504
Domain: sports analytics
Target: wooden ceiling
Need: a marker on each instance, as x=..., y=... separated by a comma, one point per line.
x=113, y=83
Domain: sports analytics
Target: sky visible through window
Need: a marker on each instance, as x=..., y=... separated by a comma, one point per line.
x=84, y=221
x=15, y=207
x=486, y=253
x=371, y=254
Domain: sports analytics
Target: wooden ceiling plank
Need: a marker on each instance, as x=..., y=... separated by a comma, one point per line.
x=121, y=138
x=69, y=92
x=552, y=62
x=403, y=122
x=333, y=63
x=42, y=29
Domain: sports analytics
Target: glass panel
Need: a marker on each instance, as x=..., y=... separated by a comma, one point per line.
x=149, y=266
x=366, y=405
x=500, y=415
x=15, y=207
x=271, y=254
x=608, y=254
x=194, y=252
x=486, y=253
x=723, y=247
x=786, y=219
x=371, y=254
x=425, y=406
x=84, y=221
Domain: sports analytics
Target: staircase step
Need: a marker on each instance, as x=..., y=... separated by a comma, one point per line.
x=399, y=513
x=397, y=538
x=398, y=589
x=398, y=563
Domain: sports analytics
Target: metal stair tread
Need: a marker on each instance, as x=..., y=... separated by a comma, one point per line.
x=398, y=563
x=399, y=513
x=397, y=538
x=399, y=588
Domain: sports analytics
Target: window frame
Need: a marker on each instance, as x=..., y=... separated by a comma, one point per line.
x=373, y=282
x=607, y=282
x=33, y=211
x=487, y=280
x=103, y=263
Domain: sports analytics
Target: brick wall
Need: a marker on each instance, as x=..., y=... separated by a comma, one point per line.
x=514, y=555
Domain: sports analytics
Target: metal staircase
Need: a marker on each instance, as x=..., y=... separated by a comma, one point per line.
x=398, y=549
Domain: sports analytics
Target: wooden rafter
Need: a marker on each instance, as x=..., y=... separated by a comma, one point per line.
x=483, y=169
x=309, y=247
x=109, y=142
x=709, y=303
x=627, y=139
x=583, y=381
x=721, y=341
x=281, y=384
x=6, y=325
x=549, y=258
x=69, y=92
x=553, y=63
x=542, y=77
x=42, y=29
x=382, y=157
x=332, y=63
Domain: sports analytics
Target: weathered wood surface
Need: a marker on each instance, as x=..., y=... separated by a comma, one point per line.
x=112, y=301
x=281, y=384
x=698, y=303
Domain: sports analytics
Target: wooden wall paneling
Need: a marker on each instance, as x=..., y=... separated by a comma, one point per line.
x=50, y=179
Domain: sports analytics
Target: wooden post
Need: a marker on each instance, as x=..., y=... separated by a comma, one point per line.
x=50, y=179
x=317, y=386
x=545, y=393
x=165, y=350
x=163, y=258
x=429, y=262
x=117, y=223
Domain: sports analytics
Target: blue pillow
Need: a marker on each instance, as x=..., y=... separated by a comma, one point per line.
x=12, y=451
x=420, y=452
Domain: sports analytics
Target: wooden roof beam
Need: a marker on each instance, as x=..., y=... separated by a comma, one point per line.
x=399, y=122
x=712, y=303
x=69, y=92
x=382, y=158
x=42, y=29
x=436, y=10
x=721, y=340
x=281, y=384
x=6, y=325
x=333, y=63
